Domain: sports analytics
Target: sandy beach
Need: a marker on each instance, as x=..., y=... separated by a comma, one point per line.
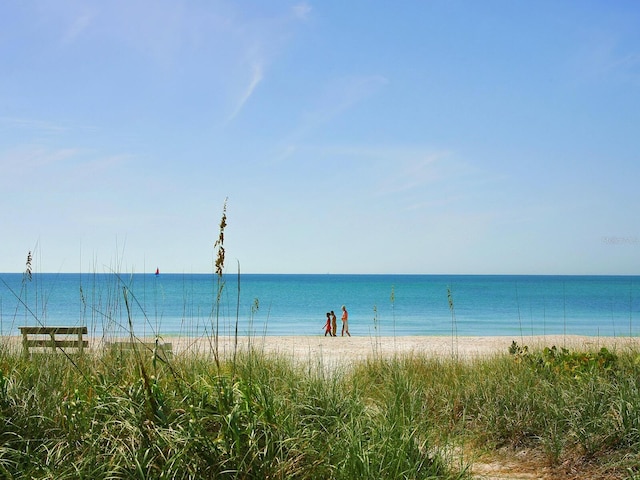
x=346, y=350
x=335, y=351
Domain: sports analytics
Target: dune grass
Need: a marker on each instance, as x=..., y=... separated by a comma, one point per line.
x=119, y=415
x=126, y=417
x=575, y=410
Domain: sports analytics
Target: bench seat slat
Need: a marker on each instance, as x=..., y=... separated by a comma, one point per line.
x=58, y=343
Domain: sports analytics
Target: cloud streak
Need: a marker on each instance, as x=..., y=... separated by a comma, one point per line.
x=302, y=10
x=31, y=124
x=424, y=169
x=339, y=96
x=79, y=25
x=257, y=75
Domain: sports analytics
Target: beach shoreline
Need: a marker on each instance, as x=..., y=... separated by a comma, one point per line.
x=348, y=350
x=345, y=350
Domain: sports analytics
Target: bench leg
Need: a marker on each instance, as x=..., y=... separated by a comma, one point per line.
x=25, y=345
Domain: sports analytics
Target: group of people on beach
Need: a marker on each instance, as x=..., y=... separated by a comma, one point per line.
x=331, y=327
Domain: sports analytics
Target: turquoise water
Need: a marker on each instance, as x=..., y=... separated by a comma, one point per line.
x=185, y=304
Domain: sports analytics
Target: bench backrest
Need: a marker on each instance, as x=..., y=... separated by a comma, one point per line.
x=52, y=342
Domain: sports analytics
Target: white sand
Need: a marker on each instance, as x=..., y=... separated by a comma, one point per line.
x=334, y=351
x=345, y=350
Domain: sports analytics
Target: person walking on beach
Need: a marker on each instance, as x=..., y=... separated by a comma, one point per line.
x=334, y=326
x=345, y=321
x=327, y=326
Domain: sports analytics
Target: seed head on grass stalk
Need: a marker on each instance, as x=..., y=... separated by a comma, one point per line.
x=26, y=276
x=27, y=273
x=219, y=268
x=219, y=243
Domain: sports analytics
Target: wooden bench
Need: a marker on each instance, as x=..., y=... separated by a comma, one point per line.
x=46, y=338
x=164, y=350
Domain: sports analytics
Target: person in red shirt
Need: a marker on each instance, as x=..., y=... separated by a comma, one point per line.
x=327, y=326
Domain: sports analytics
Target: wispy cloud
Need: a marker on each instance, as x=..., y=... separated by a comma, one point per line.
x=79, y=25
x=169, y=36
x=31, y=124
x=401, y=169
x=101, y=165
x=256, y=78
x=302, y=10
x=52, y=165
x=260, y=42
x=628, y=66
x=606, y=57
x=412, y=178
x=31, y=165
x=343, y=93
x=424, y=168
x=339, y=96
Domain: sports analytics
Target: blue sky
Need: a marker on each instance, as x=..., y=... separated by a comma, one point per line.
x=349, y=137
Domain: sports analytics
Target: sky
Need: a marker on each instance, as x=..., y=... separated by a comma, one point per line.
x=417, y=137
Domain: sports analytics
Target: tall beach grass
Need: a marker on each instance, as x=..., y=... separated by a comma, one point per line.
x=115, y=414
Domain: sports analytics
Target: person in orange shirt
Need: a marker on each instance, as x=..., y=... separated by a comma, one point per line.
x=334, y=326
x=345, y=321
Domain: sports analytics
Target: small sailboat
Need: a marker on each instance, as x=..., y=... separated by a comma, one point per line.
x=157, y=272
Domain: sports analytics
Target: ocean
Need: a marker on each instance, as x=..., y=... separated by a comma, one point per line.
x=378, y=305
